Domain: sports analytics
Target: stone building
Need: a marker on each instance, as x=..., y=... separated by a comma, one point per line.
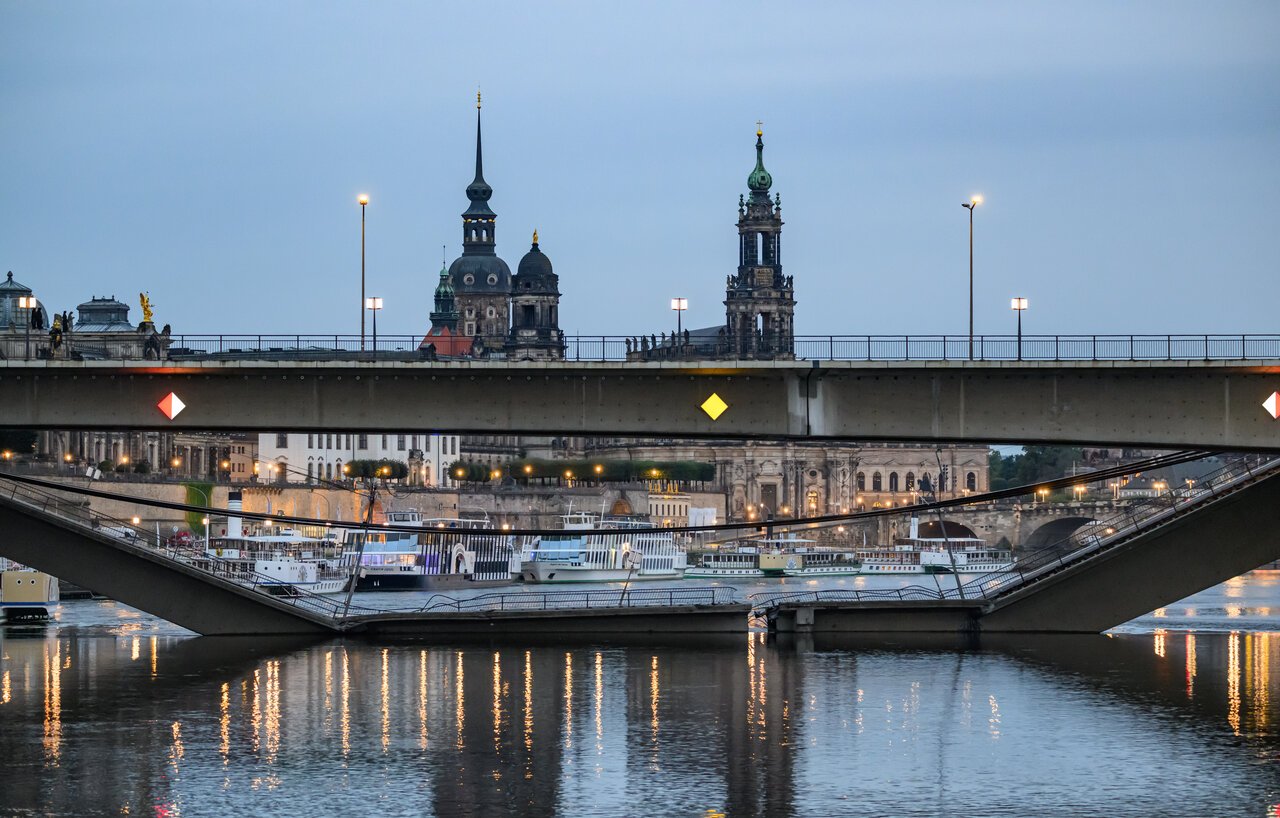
x=296, y=457
x=804, y=478
x=98, y=329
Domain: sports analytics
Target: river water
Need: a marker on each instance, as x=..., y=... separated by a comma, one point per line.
x=110, y=711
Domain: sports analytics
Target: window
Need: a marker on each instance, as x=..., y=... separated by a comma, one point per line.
x=413, y=442
x=282, y=441
x=862, y=481
x=876, y=482
x=971, y=481
x=893, y=481
x=310, y=440
x=384, y=443
x=911, y=481
x=493, y=279
x=400, y=443
x=328, y=441
x=489, y=313
x=426, y=444
x=364, y=442
x=310, y=470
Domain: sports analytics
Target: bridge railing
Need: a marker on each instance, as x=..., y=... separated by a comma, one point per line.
x=1167, y=347
x=563, y=600
x=189, y=555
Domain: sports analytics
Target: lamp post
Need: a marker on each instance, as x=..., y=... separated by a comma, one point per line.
x=373, y=303
x=364, y=201
x=679, y=305
x=971, y=206
x=28, y=303
x=1018, y=305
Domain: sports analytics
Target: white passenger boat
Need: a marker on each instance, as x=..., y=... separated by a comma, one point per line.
x=441, y=555
x=596, y=548
x=26, y=593
x=785, y=556
x=282, y=563
x=935, y=555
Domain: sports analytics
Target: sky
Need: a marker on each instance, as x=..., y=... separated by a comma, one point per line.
x=211, y=153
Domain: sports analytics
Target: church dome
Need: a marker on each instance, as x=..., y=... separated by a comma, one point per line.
x=480, y=274
x=535, y=262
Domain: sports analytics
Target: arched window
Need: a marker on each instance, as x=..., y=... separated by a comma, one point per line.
x=877, y=484
x=893, y=481
x=862, y=481
x=328, y=471
x=911, y=481
x=310, y=470
x=971, y=481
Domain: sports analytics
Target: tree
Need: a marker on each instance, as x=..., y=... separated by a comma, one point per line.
x=1035, y=464
x=386, y=469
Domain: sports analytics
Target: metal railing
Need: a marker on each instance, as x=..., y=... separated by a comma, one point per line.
x=189, y=555
x=1112, y=347
x=1099, y=537
x=578, y=600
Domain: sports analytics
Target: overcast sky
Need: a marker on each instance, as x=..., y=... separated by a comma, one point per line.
x=211, y=154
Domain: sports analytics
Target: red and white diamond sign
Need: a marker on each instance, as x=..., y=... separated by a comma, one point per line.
x=171, y=405
x=1272, y=405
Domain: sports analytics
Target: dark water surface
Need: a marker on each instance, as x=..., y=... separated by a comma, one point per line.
x=109, y=711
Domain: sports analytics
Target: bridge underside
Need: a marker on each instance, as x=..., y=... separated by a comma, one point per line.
x=169, y=590
x=1190, y=404
x=1189, y=554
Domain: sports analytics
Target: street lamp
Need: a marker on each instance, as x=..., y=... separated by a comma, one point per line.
x=28, y=303
x=1018, y=305
x=374, y=304
x=971, y=206
x=679, y=305
x=363, y=200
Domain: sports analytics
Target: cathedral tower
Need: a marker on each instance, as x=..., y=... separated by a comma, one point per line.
x=481, y=281
x=760, y=300
x=535, y=307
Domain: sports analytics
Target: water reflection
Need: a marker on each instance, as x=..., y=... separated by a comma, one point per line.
x=820, y=726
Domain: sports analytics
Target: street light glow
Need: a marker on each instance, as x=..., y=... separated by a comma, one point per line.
x=363, y=199
x=1018, y=304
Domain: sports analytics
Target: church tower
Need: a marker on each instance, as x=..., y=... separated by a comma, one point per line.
x=481, y=281
x=760, y=301
x=535, y=307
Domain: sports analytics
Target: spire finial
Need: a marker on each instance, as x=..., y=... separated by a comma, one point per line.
x=477, y=97
x=759, y=128
x=535, y=237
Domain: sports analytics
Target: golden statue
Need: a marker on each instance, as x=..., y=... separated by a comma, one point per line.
x=146, y=306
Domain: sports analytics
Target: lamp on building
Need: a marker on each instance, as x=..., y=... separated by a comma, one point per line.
x=374, y=303
x=1019, y=305
x=363, y=199
x=28, y=303
x=679, y=305
x=1079, y=491
x=1043, y=494
x=136, y=520
x=971, y=206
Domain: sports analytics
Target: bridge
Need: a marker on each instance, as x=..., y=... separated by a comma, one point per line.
x=1210, y=404
x=1118, y=570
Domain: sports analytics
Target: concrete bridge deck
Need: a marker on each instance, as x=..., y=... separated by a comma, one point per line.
x=1213, y=404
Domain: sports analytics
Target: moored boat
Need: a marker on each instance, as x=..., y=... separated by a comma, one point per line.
x=26, y=593
x=596, y=548
x=774, y=557
x=282, y=563
x=935, y=555
x=443, y=554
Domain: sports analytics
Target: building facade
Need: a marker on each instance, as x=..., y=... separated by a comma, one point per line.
x=294, y=457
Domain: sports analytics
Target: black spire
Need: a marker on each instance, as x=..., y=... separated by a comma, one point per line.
x=479, y=191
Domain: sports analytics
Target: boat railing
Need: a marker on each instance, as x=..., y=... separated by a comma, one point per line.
x=576, y=600
x=190, y=554
x=910, y=593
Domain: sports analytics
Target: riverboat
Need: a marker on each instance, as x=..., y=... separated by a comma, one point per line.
x=774, y=557
x=441, y=555
x=597, y=548
x=935, y=555
x=282, y=563
x=26, y=593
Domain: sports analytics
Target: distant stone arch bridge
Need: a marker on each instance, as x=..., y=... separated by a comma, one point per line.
x=1026, y=525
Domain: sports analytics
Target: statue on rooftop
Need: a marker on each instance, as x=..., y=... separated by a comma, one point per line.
x=146, y=306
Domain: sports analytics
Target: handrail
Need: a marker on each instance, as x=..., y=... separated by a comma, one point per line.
x=577, y=600
x=1106, y=347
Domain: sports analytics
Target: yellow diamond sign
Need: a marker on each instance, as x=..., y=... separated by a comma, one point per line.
x=714, y=406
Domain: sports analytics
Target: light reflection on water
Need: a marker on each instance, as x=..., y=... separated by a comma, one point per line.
x=751, y=726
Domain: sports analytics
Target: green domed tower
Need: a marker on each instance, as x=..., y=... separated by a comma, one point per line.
x=760, y=300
